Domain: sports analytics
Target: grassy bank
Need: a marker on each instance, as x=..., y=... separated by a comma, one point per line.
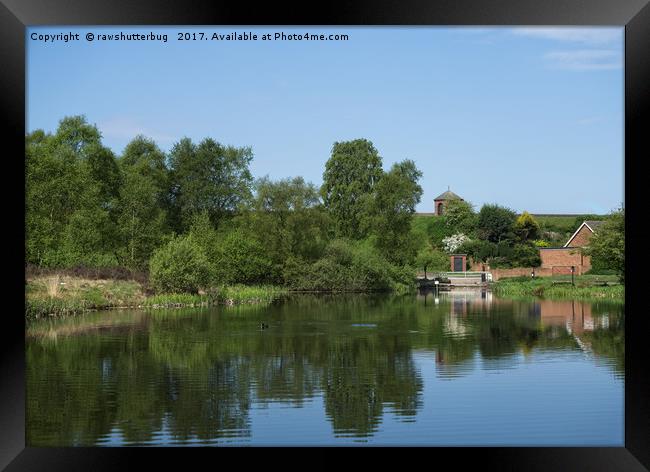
x=57, y=295
x=63, y=294
x=587, y=287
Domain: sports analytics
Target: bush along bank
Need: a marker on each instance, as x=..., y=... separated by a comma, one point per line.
x=585, y=288
x=349, y=266
x=225, y=295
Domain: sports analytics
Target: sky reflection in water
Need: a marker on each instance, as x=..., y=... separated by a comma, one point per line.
x=463, y=368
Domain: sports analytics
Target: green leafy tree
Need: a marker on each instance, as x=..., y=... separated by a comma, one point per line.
x=396, y=195
x=142, y=220
x=72, y=189
x=432, y=259
x=90, y=236
x=289, y=214
x=208, y=177
x=607, y=244
x=88, y=239
x=203, y=233
x=76, y=134
x=460, y=217
x=350, y=176
x=104, y=173
x=53, y=179
x=144, y=156
x=526, y=227
x=495, y=223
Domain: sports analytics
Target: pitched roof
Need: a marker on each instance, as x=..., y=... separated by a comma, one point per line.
x=593, y=225
x=448, y=195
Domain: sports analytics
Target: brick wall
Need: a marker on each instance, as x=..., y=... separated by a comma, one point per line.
x=557, y=261
x=563, y=258
x=519, y=272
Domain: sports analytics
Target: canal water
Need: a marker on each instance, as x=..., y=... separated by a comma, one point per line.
x=460, y=368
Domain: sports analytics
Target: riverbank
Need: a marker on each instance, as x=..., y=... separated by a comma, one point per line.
x=57, y=295
x=585, y=287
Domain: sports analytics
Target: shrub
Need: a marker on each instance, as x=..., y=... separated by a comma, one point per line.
x=505, y=250
x=348, y=266
x=326, y=274
x=479, y=250
x=432, y=260
x=453, y=242
x=526, y=227
x=240, y=258
x=525, y=255
x=180, y=267
x=498, y=262
x=607, y=245
x=371, y=271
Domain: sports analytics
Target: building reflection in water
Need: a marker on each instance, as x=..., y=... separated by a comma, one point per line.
x=576, y=316
x=468, y=312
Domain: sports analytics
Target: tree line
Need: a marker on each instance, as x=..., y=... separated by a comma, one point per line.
x=195, y=217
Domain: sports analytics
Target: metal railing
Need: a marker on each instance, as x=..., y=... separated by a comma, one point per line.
x=457, y=275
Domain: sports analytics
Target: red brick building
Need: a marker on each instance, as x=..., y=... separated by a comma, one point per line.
x=555, y=260
x=583, y=234
x=458, y=262
x=440, y=202
x=562, y=259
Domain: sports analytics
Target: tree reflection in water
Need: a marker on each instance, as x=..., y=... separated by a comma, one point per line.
x=196, y=375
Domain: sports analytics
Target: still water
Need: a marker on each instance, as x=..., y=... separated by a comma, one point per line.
x=462, y=368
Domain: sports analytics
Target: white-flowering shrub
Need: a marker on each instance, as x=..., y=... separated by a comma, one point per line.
x=453, y=242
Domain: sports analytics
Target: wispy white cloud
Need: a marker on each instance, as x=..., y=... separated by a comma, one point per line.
x=590, y=36
x=128, y=128
x=586, y=59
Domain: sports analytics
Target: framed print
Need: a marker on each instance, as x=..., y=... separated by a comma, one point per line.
x=362, y=227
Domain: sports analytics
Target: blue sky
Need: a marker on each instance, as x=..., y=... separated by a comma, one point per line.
x=530, y=118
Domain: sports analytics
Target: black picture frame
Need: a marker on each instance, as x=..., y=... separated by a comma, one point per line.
x=634, y=15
